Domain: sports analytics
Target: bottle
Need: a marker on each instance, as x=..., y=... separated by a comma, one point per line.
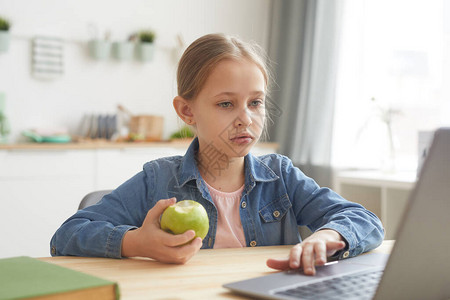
x=4, y=123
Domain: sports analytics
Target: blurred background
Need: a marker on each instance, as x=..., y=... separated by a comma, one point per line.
x=359, y=87
x=97, y=85
x=363, y=64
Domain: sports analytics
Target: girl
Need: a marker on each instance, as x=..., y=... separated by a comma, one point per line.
x=251, y=201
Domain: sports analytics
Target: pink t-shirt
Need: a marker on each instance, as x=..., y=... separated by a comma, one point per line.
x=230, y=233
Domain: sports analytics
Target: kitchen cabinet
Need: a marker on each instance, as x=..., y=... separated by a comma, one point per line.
x=39, y=190
x=384, y=194
x=42, y=185
x=115, y=166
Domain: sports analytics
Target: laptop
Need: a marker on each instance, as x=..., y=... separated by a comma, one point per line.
x=417, y=268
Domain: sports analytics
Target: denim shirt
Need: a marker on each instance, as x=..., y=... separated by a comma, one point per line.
x=277, y=198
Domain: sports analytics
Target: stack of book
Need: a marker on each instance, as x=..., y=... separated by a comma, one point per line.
x=25, y=277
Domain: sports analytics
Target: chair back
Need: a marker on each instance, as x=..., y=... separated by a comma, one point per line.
x=92, y=198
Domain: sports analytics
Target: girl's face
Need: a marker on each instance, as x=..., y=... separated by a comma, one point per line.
x=229, y=111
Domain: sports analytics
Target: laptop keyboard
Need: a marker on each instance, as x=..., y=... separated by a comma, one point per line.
x=355, y=286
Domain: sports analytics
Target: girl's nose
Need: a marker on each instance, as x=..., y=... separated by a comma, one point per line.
x=244, y=119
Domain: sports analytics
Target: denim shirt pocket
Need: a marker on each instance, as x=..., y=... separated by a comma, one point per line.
x=276, y=209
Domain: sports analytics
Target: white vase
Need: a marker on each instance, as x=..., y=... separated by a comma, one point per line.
x=145, y=51
x=99, y=49
x=4, y=41
x=123, y=50
x=4, y=123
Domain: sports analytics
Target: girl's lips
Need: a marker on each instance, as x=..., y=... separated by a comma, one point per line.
x=242, y=140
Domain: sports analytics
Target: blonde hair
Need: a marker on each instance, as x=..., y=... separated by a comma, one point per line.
x=206, y=52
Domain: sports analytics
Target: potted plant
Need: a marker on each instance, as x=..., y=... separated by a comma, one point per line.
x=100, y=49
x=146, y=46
x=4, y=35
x=184, y=133
x=4, y=123
x=123, y=50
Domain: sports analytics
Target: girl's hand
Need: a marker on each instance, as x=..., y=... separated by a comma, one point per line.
x=151, y=241
x=313, y=251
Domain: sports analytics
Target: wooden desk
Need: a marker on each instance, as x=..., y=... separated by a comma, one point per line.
x=201, y=278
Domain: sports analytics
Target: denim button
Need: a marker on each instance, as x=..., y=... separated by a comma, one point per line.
x=276, y=214
x=244, y=204
x=253, y=243
x=346, y=254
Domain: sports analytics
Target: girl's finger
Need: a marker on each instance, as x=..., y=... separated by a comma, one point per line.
x=320, y=253
x=294, y=256
x=180, y=255
x=191, y=248
x=278, y=263
x=174, y=240
x=155, y=212
x=332, y=247
x=308, y=259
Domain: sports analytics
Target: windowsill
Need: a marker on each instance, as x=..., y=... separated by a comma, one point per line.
x=400, y=179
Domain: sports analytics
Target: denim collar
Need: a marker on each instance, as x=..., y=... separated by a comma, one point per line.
x=255, y=169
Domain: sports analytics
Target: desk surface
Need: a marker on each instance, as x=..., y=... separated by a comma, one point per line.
x=201, y=278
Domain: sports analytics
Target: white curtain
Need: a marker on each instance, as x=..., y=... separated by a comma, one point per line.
x=303, y=45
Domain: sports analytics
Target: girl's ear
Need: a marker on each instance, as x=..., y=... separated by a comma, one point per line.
x=184, y=110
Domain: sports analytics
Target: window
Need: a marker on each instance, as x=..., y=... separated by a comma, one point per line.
x=394, y=67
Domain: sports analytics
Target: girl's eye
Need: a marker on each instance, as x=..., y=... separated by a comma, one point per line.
x=256, y=103
x=225, y=104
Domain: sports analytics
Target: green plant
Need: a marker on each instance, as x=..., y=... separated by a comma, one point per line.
x=4, y=24
x=184, y=132
x=147, y=36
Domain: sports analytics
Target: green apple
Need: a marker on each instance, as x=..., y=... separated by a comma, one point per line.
x=185, y=215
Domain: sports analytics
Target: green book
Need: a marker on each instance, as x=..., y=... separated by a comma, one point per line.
x=26, y=277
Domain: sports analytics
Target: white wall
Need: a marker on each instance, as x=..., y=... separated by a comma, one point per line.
x=90, y=86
